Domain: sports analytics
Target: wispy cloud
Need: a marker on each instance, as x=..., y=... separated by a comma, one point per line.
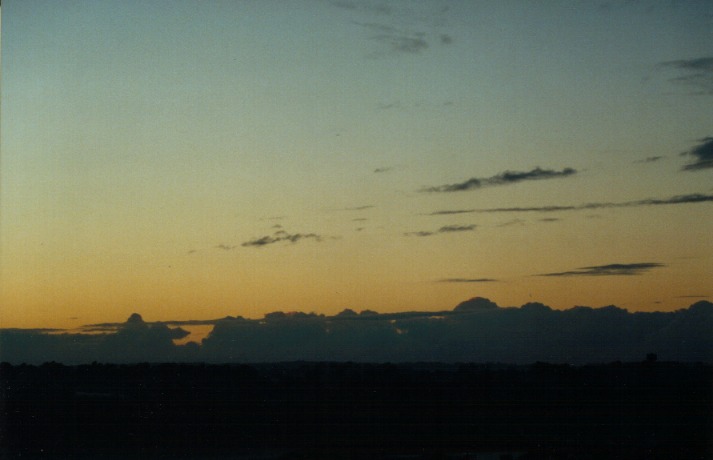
x=359, y=208
x=698, y=73
x=678, y=199
x=649, y=159
x=444, y=229
x=504, y=178
x=702, y=154
x=467, y=280
x=382, y=170
x=395, y=39
x=281, y=236
x=610, y=270
x=225, y=247
x=380, y=8
x=447, y=212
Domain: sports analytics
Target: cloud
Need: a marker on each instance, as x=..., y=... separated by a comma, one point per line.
x=610, y=270
x=382, y=170
x=449, y=212
x=225, y=247
x=380, y=8
x=281, y=236
x=402, y=43
x=467, y=280
x=703, y=154
x=359, y=208
x=649, y=159
x=444, y=229
x=456, y=228
x=504, y=178
x=698, y=73
x=131, y=341
x=398, y=41
x=550, y=219
x=678, y=199
x=476, y=330
x=422, y=233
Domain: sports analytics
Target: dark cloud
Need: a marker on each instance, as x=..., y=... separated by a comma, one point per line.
x=402, y=43
x=550, y=219
x=610, y=270
x=477, y=330
x=387, y=106
x=510, y=223
x=281, y=236
x=449, y=212
x=225, y=247
x=467, y=280
x=702, y=154
x=444, y=229
x=380, y=8
x=382, y=170
x=698, y=73
x=456, y=228
x=132, y=341
x=445, y=39
x=419, y=233
x=359, y=208
x=504, y=178
x=650, y=159
x=678, y=199
x=394, y=39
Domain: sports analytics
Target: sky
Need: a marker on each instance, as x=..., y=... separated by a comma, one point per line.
x=192, y=160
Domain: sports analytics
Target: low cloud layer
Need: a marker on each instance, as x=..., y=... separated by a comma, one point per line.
x=476, y=330
x=280, y=236
x=702, y=155
x=444, y=229
x=504, y=178
x=610, y=270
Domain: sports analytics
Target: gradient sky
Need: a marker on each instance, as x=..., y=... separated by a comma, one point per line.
x=192, y=160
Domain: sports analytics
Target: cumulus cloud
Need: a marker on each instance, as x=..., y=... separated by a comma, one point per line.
x=702, y=154
x=697, y=73
x=477, y=330
x=131, y=341
x=444, y=229
x=280, y=236
x=504, y=178
x=610, y=270
x=677, y=199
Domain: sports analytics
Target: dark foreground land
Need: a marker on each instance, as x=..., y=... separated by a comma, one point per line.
x=348, y=410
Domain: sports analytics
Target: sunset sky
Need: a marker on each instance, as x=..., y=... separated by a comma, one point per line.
x=192, y=160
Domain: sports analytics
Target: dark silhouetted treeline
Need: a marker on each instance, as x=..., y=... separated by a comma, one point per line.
x=348, y=410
